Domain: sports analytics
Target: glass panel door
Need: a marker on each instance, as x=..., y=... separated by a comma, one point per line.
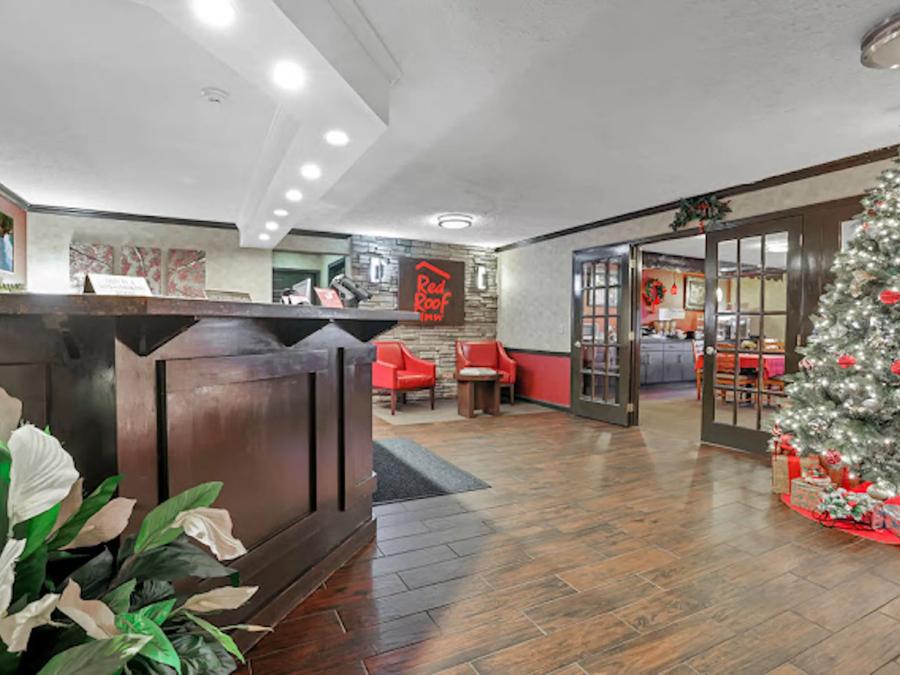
x=600, y=340
x=754, y=298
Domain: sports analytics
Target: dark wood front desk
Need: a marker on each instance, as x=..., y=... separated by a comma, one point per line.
x=275, y=401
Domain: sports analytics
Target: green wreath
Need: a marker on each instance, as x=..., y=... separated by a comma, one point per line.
x=654, y=292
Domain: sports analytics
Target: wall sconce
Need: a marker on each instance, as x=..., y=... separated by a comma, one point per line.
x=481, y=281
x=376, y=269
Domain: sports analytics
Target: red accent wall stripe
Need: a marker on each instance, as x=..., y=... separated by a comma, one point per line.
x=543, y=377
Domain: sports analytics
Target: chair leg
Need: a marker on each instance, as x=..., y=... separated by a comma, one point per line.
x=511, y=388
x=432, y=398
x=393, y=401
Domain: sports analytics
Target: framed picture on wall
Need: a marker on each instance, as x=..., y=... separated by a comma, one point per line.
x=7, y=244
x=694, y=293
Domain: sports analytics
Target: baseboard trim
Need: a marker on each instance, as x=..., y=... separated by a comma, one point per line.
x=546, y=404
x=283, y=603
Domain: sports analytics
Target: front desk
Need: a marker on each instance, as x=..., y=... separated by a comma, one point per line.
x=273, y=400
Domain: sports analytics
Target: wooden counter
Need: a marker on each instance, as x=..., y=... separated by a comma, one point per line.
x=273, y=400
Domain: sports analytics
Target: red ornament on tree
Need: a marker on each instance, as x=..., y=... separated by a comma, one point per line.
x=832, y=457
x=889, y=296
x=846, y=361
x=895, y=367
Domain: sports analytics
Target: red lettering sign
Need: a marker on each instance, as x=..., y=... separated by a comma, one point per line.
x=433, y=288
x=432, y=297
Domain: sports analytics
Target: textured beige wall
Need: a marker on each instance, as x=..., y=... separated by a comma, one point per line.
x=228, y=266
x=535, y=281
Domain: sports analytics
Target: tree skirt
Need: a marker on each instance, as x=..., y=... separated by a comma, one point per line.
x=881, y=536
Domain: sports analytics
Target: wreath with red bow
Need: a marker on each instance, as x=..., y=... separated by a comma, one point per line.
x=709, y=210
x=654, y=292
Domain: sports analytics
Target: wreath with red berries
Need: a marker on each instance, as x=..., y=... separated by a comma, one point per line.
x=654, y=292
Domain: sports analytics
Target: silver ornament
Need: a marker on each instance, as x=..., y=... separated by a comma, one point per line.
x=881, y=490
x=872, y=405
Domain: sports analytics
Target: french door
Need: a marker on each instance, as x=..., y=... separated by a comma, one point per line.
x=751, y=326
x=601, y=334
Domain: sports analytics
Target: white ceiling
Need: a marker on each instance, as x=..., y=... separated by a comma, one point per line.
x=533, y=115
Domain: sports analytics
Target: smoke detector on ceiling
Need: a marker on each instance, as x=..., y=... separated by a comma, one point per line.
x=881, y=45
x=214, y=94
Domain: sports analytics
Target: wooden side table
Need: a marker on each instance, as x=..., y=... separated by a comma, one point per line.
x=480, y=392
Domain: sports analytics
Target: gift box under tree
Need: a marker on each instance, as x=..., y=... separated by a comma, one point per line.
x=806, y=495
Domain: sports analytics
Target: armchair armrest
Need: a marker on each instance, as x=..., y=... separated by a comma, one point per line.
x=505, y=363
x=384, y=375
x=418, y=365
x=461, y=360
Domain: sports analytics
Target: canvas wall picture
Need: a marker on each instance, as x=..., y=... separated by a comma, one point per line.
x=87, y=258
x=186, y=273
x=143, y=261
x=7, y=244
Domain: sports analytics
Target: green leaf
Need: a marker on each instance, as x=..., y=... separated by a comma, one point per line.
x=152, y=591
x=91, y=505
x=158, y=612
x=202, y=657
x=158, y=648
x=94, y=576
x=119, y=599
x=36, y=529
x=175, y=561
x=223, y=638
x=30, y=575
x=157, y=530
x=98, y=657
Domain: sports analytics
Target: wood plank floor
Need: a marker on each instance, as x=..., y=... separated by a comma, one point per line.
x=597, y=549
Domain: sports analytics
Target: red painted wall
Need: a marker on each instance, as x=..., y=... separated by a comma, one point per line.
x=543, y=377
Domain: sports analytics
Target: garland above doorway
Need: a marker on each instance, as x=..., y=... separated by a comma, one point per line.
x=709, y=210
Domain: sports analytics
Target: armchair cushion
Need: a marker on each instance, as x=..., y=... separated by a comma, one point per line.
x=396, y=368
x=407, y=379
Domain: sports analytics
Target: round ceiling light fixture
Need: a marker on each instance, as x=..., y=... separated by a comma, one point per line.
x=881, y=47
x=215, y=13
x=271, y=226
x=288, y=75
x=337, y=138
x=311, y=171
x=455, y=221
x=280, y=213
x=214, y=95
x=293, y=195
x=264, y=237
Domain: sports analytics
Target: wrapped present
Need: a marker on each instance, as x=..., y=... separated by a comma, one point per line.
x=891, y=516
x=784, y=470
x=806, y=495
x=876, y=517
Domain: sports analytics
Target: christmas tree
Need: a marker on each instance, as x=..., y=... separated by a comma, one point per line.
x=845, y=402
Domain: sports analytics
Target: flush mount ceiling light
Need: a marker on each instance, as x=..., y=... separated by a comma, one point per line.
x=288, y=75
x=214, y=94
x=337, y=138
x=264, y=237
x=293, y=195
x=271, y=225
x=280, y=213
x=311, y=171
x=455, y=221
x=215, y=13
x=881, y=46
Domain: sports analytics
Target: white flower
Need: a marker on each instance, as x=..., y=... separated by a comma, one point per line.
x=226, y=597
x=15, y=629
x=41, y=475
x=213, y=528
x=10, y=414
x=108, y=523
x=11, y=552
x=93, y=616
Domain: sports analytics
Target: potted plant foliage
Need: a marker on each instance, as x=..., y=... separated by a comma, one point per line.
x=70, y=604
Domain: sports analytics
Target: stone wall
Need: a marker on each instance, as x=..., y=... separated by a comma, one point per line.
x=435, y=343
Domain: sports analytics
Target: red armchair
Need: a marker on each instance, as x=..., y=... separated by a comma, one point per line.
x=488, y=355
x=397, y=370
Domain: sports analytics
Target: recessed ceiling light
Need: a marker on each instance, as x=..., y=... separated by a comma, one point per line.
x=281, y=213
x=455, y=221
x=264, y=237
x=215, y=13
x=337, y=137
x=271, y=225
x=881, y=46
x=293, y=195
x=311, y=171
x=288, y=75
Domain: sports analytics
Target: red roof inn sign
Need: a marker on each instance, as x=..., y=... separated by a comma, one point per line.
x=433, y=288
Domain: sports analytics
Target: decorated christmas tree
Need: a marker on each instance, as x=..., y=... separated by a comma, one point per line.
x=845, y=403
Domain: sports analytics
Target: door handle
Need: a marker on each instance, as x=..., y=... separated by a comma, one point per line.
x=577, y=344
x=710, y=351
